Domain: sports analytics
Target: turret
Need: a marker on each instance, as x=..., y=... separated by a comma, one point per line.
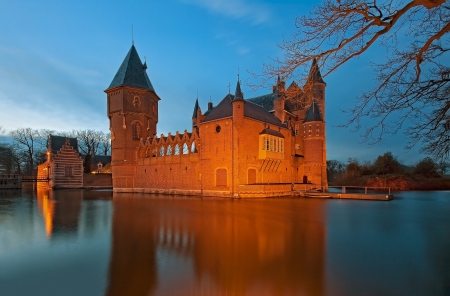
x=316, y=86
x=314, y=145
x=238, y=104
x=196, y=114
x=278, y=104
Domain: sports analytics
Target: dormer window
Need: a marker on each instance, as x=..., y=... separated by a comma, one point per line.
x=271, y=144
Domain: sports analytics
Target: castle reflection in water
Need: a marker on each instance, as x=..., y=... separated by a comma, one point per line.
x=170, y=246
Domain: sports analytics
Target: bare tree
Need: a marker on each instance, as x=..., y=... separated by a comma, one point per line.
x=412, y=90
x=89, y=141
x=105, y=143
x=27, y=140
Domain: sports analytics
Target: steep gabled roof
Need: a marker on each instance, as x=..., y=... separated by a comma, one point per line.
x=313, y=113
x=132, y=72
x=251, y=110
x=222, y=110
x=265, y=100
x=56, y=143
x=314, y=73
x=258, y=112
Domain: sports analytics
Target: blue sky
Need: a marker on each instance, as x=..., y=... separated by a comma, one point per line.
x=57, y=58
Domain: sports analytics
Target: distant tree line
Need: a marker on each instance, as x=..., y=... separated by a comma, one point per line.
x=383, y=165
x=28, y=146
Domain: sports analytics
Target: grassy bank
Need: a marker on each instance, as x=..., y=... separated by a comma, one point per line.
x=396, y=182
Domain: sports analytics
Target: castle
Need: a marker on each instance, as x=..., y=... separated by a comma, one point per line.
x=259, y=147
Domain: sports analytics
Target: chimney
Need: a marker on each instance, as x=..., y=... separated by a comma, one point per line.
x=210, y=105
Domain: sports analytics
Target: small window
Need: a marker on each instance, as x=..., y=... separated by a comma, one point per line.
x=193, y=148
x=296, y=129
x=185, y=149
x=136, y=130
x=68, y=171
x=218, y=128
x=136, y=102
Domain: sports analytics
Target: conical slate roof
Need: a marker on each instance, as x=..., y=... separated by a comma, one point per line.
x=314, y=73
x=132, y=72
x=313, y=113
x=195, y=109
x=238, y=96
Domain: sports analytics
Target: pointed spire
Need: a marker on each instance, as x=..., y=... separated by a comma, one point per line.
x=238, y=95
x=132, y=72
x=196, y=107
x=314, y=73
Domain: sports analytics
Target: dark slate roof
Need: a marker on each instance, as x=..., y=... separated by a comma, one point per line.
x=56, y=143
x=222, y=110
x=208, y=111
x=314, y=73
x=238, y=96
x=269, y=131
x=266, y=101
x=194, y=115
x=104, y=159
x=132, y=72
x=313, y=113
x=251, y=110
x=255, y=111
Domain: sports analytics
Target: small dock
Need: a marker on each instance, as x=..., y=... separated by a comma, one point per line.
x=356, y=192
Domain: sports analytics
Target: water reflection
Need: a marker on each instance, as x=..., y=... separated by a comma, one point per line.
x=60, y=210
x=269, y=247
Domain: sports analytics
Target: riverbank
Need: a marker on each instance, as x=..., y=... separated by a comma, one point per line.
x=396, y=182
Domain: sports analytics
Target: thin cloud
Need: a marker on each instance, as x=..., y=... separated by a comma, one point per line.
x=243, y=50
x=238, y=9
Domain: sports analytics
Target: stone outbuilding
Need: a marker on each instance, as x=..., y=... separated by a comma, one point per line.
x=64, y=165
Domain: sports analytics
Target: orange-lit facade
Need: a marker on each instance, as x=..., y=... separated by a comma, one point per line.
x=259, y=147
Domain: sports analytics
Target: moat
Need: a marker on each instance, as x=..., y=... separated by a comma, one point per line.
x=75, y=242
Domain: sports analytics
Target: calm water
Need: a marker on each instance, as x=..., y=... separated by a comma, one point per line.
x=74, y=242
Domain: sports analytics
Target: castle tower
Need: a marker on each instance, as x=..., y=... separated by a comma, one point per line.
x=314, y=146
x=314, y=133
x=316, y=86
x=133, y=114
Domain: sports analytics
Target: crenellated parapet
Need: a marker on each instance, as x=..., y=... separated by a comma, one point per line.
x=178, y=144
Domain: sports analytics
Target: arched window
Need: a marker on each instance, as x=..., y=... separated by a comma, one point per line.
x=193, y=148
x=169, y=150
x=161, y=151
x=185, y=149
x=136, y=130
x=177, y=149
